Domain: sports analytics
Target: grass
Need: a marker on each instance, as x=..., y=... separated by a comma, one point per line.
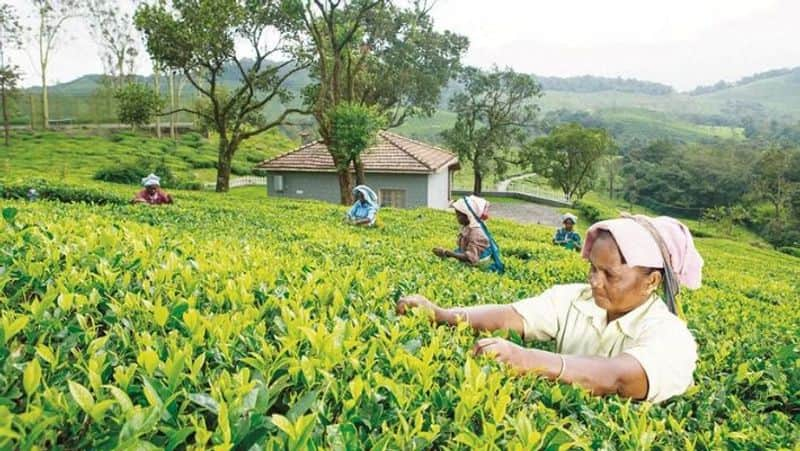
x=74, y=157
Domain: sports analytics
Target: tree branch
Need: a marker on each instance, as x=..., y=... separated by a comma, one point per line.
x=280, y=120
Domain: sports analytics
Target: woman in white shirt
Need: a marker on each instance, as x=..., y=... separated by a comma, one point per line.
x=614, y=335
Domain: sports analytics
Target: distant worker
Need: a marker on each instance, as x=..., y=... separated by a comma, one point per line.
x=152, y=194
x=567, y=236
x=476, y=246
x=33, y=195
x=364, y=211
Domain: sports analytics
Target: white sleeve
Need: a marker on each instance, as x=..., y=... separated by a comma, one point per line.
x=668, y=353
x=541, y=315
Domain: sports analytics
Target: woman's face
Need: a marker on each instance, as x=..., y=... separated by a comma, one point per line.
x=462, y=218
x=617, y=287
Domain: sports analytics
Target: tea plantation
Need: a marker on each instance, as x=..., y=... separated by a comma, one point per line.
x=267, y=324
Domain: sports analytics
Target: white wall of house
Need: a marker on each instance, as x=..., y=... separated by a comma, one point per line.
x=438, y=189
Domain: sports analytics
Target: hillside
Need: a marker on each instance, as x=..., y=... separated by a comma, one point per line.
x=634, y=110
x=76, y=157
x=778, y=95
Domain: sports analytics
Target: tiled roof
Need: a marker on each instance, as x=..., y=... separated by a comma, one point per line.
x=390, y=153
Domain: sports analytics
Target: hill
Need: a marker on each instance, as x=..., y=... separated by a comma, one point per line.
x=633, y=109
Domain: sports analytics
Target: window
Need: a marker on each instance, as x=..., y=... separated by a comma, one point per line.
x=395, y=198
x=277, y=183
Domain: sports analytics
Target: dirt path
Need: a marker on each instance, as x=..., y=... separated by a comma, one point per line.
x=526, y=213
x=503, y=184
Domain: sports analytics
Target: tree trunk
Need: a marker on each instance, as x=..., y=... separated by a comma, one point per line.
x=45, y=106
x=33, y=109
x=345, y=186
x=226, y=150
x=361, y=176
x=172, y=105
x=5, y=114
x=477, y=186
x=157, y=83
x=611, y=183
x=345, y=181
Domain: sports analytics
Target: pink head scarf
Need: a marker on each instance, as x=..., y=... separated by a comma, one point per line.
x=478, y=204
x=639, y=248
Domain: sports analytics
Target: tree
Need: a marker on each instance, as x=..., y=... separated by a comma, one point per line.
x=9, y=79
x=376, y=54
x=613, y=166
x=200, y=38
x=114, y=31
x=10, y=36
x=686, y=179
x=136, y=104
x=353, y=129
x=569, y=155
x=51, y=15
x=725, y=218
x=493, y=111
x=775, y=179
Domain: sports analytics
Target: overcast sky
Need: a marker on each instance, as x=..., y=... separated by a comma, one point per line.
x=683, y=43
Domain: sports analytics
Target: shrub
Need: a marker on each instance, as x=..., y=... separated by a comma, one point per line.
x=127, y=174
x=132, y=174
x=222, y=322
x=62, y=193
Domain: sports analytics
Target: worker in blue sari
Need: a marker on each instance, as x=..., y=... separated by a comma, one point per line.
x=567, y=236
x=364, y=211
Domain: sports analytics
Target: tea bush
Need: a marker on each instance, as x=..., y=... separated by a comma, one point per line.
x=237, y=324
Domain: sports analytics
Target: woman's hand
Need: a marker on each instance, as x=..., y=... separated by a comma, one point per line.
x=406, y=303
x=506, y=352
x=440, y=252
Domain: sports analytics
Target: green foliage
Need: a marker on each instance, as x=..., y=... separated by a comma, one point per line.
x=725, y=218
x=493, y=113
x=77, y=157
x=136, y=104
x=18, y=189
x=569, y=157
x=686, y=180
x=353, y=130
x=199, y=39
x=377, y=54
x=154, y=330
x=589, y=83
x=132, y=174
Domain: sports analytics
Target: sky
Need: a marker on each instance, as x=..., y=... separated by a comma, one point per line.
x=683, y=43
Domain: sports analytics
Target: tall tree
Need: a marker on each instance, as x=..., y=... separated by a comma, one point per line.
x=569, y=156
x=201, y=38
x=376, y=54
x=776, y=179
x=10, y=37
x=113, y=29
x=9, y=80
x=51, y=16
x=494, y=111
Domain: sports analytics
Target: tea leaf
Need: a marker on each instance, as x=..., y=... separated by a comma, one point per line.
x=82, y=396
x=32, y=376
